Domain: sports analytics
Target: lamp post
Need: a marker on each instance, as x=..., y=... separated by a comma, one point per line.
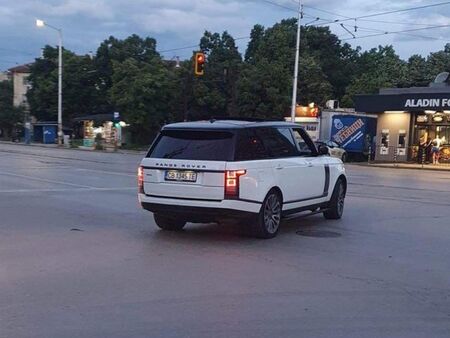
x=41, y=23
x=297, y=56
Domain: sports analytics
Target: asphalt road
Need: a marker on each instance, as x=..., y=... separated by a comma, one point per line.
x=79, y=258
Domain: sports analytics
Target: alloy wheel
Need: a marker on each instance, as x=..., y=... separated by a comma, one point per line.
x=341, y=199
x=272, y=213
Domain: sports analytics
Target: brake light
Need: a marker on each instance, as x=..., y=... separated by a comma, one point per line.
x=232, y=183
x=140, y=178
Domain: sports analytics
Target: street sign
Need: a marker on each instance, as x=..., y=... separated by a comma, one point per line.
x=116, y=115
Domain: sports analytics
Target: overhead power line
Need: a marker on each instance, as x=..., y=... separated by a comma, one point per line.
x=397, y=32
x=195, y=46
x=16, y=51
x=281, y=6
x=7, y=61
x=387, y=13
x=326, y=12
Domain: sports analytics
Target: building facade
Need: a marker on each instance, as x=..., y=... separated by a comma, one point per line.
x=410, y=120
x=3, y=76
x=21, y=85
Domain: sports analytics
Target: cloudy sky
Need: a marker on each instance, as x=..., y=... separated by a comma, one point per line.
x=177, y=23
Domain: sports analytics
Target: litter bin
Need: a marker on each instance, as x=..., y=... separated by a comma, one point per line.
x=66, y=139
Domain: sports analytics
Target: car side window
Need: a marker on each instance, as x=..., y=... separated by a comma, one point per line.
x=250, y=146
x=305, y=145
x=277, y=141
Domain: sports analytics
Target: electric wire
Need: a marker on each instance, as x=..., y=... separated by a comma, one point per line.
x=195, y=46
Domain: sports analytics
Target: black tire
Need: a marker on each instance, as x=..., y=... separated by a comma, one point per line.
x=267, y=223
x=169, y=223
x=336, y=205
x=344, y=157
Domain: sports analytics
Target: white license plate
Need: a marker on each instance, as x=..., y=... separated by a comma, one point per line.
x=182, y=176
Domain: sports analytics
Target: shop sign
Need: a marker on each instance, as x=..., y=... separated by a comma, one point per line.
x=402, y=102
x=422, y=119
x=349, y=133
x=438, y=118
x=427, y=103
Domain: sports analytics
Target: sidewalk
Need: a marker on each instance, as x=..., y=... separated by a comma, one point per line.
x=415, y=166
x=55, y=146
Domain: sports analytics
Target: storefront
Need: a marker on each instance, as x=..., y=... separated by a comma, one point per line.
x=410, y=120
x=105, y=130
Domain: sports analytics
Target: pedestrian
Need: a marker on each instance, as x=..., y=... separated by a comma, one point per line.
x=436, y=149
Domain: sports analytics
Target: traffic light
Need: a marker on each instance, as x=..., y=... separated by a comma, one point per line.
x=199, y=63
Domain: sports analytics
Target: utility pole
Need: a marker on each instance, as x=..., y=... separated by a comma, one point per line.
x=60, y=128
x=297, y=56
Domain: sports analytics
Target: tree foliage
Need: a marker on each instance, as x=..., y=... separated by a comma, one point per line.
x=130, y=76
x=10, y=116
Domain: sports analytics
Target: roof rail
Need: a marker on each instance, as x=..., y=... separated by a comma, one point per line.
x=239, y=118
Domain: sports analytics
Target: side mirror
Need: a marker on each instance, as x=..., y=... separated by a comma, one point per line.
x=323, y=150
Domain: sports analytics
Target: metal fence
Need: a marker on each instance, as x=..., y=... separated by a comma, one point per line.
x=423, y=156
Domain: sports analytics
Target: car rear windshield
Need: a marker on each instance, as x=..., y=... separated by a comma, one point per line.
x=202, y=145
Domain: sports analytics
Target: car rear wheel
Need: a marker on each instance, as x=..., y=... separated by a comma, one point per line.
x=268, y=221
x=336, y=206
x=169, y=223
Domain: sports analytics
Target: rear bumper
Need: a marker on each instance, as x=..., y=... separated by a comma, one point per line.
x=200, y=210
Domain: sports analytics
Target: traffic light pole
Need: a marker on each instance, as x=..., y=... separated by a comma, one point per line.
x=297, y=56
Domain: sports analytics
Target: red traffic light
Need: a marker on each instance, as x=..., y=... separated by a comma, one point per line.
x=199, y=64
x=200, y=58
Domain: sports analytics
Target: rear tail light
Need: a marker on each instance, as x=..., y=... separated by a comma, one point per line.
x=140, y=178
x=232, y=183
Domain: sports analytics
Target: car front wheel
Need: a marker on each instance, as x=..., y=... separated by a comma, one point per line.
x=169, y=223
x=344, y=157
x=268, y=220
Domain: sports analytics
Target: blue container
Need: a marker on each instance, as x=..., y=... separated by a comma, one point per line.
x=49, y=134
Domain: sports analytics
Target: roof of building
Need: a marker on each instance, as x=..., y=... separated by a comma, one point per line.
x=21, y=68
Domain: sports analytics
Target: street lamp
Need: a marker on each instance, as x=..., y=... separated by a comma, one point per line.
x=42, y=23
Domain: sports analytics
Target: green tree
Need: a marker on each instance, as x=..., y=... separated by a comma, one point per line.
x=439, y=62
x=141, y=93
x=115, y=50
x=80, y=94
x=214, y=94
x=10, y=116
x=417, y=72
x=265, y=87
x=377, y=68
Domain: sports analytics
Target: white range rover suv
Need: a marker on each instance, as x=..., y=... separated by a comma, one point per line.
x=256, y=172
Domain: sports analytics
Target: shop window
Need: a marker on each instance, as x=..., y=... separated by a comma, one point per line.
x=401, y=146
x=384, y=149
x=402, y=139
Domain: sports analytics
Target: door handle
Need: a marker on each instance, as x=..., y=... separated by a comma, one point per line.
x=279, y=167
x=309, y=164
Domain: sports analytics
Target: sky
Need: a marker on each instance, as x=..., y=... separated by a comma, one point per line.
x=179, y=23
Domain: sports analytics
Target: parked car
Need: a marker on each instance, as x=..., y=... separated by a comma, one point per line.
x=334, y=149
x=256, y=172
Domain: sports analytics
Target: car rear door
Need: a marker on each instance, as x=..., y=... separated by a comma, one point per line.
x=295, y=174
x=188, y=164
x=314, y=172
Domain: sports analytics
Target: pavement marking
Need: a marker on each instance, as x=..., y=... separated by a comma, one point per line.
x=398, y=199
x=396, y=187
x=64, y=190
x=106, y=172
x=46, y=180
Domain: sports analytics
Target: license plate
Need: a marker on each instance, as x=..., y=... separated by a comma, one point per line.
x=182, y=176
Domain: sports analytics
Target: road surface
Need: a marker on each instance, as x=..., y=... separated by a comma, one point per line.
x=79, y=258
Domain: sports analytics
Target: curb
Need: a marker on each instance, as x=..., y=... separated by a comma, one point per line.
x=441, y=169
